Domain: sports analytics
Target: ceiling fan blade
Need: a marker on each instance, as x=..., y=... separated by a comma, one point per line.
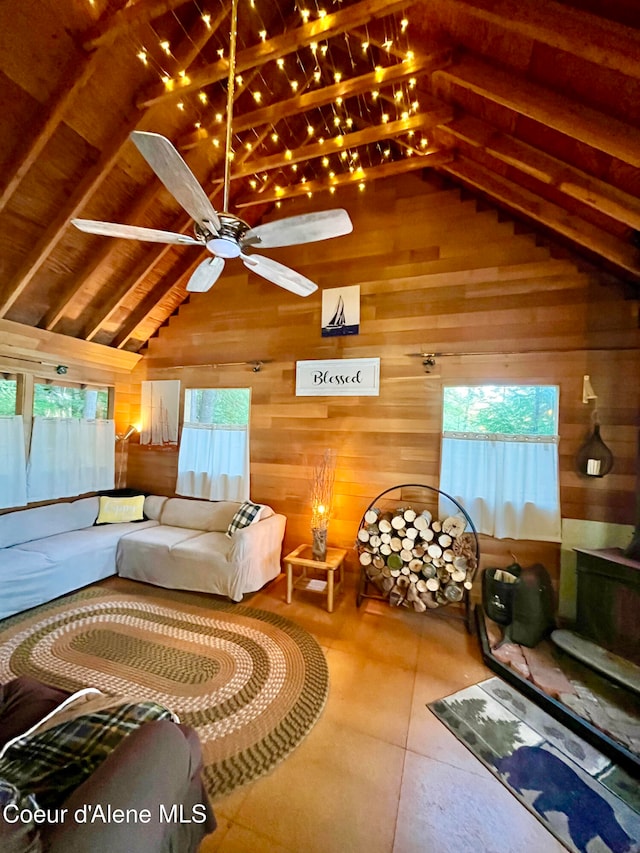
x=133, y=232
x=279, y=274
x=177, y=177
x=306, y=228
x=205, y=275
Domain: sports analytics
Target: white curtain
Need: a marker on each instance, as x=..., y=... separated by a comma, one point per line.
x=13, y=476
x=213, y=462
x=70, y=456
x=509, y=485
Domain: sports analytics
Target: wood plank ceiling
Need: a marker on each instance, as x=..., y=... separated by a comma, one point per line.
x=533, y=104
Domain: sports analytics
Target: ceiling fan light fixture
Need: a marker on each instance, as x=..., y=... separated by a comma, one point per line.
x=223, y=247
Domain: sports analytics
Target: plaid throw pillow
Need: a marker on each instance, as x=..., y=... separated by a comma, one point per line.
x=246, y=514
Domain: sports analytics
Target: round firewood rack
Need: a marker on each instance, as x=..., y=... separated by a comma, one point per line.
x=413, y=564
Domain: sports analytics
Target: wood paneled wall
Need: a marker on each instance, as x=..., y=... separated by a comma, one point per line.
x=438, y=272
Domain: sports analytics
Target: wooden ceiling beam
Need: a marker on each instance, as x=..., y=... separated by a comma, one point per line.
x=289, y=42
x=142, y=269
x=35, y=138
x=24, y=342
x=127, y=21
x=274, y=113
x=146, y=307
x=504, y=192
x=420, y=121
x=101, y=259
x=604, y=43
x=431, y=159
x=94, y=176
x=542, y=105
x=576, y=184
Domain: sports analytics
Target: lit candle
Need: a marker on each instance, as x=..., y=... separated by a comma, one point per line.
x=593, y=467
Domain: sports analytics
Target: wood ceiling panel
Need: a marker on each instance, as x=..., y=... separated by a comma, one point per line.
x=554, y=86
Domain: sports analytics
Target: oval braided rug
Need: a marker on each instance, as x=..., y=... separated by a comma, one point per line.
x=250, y=682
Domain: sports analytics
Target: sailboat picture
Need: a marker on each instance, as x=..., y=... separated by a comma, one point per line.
x=160, y=404
x=341, y=311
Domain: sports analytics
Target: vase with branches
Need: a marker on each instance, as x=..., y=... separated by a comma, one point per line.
x=321, y=499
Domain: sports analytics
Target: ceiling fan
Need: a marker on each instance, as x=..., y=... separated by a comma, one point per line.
x=223, y=234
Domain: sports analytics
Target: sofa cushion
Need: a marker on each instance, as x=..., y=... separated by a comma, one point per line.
x=153, y=506
x=245, y=515
x=114, y=510
x=198, y=515
x=24, y=525
x=68, y=546
x=161, y=537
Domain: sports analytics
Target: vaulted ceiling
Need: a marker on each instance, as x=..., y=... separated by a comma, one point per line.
x=532, y=104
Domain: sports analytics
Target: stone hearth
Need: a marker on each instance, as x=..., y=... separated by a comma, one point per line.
x=604, y=713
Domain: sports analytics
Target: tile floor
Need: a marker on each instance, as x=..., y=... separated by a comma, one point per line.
x=378, y=773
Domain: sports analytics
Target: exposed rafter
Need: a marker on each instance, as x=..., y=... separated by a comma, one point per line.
x=555, y=111
x=421, y=121
x=538, y=209
x=428, y=160
x=275, y=48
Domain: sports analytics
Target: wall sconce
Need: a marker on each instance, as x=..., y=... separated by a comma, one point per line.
x=594, y=457
x=127, y=435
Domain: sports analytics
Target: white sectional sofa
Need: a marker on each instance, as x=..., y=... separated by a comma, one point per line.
x=51, y=550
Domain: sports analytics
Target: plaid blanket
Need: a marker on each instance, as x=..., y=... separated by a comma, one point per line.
x=51, y=764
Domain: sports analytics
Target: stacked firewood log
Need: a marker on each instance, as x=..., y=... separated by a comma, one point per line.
x=416, y=560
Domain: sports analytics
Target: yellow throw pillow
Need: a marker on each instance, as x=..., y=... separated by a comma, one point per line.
x=116, y=510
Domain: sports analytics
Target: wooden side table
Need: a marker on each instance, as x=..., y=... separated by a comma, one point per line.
x=302, y=558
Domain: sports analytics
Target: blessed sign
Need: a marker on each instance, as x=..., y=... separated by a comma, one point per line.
x=346, y=377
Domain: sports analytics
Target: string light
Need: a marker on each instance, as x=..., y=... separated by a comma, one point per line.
x=294, y=85
x=304, y=14
x=203, y=97
x=274, y=137
x=142, y=56
x=180, y=106
x=280, y=63
x=166, y=47
x=257, y=97
x=263, y=35
x=206, y=18
x=404, y=23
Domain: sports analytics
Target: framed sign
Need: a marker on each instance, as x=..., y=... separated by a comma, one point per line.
x=339, y=377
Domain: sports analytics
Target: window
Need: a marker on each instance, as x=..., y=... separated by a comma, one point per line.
x=8, y=390
x=213, y=462
x=500, y=458
x=72, y=442
x=65, y=401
